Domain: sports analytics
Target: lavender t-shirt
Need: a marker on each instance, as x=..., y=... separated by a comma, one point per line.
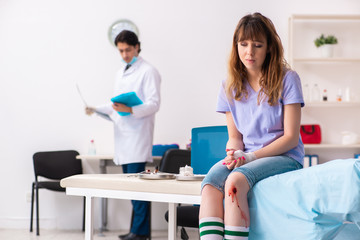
x=262, y=124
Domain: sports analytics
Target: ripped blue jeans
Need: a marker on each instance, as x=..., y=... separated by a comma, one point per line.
x=254, y=171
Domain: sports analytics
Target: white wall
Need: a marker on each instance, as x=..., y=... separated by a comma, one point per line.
x=48, y=46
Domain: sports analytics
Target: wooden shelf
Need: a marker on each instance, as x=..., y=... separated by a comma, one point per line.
x=330, y=146
x=332, y=104
x=328, y=73
x=334, y=17
x=326, y=60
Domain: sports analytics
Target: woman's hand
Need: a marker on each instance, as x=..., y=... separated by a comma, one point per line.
x=248, y=157
x=231, y=162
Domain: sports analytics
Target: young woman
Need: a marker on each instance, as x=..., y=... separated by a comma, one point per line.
x=262, y=100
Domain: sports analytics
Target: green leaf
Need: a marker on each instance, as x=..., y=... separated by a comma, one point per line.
x=330, y=39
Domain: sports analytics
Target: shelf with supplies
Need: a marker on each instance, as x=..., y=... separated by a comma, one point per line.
x=314, y=151
x=332, y=104
x=330, y=79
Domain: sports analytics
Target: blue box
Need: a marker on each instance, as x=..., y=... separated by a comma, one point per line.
x=159, y=150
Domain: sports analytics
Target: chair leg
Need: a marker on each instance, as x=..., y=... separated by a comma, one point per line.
x=83, y=226
x=37, y=210
x=184, y=234
x=32, y=207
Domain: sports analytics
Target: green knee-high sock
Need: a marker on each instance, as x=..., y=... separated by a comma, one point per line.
x=235, y=232
x=211, y=228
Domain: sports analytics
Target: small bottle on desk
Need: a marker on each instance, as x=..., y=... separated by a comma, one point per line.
x=92, y=148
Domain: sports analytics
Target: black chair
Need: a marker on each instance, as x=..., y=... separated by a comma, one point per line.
x=173, y=159
x=53, y=166
x=187, y=216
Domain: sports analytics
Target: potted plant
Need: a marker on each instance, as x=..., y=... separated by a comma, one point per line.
x=326, y=43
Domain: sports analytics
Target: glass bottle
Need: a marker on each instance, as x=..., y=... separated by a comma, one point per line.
x=315, y=93
x=339, y=95
x=347, y=95
x=92, y=148
x=324, y=96
x=306, y=93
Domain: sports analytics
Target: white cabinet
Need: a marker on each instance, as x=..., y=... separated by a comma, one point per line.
x=339, y=73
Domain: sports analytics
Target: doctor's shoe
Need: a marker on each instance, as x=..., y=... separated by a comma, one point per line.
x=133, y=236
x=123, y=236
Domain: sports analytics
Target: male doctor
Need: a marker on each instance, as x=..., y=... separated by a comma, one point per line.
x=134, y=133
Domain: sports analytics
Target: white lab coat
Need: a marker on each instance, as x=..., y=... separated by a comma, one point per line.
x=133, y=134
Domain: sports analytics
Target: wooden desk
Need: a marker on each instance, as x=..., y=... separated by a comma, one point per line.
x=129, y=186
x=107, y=161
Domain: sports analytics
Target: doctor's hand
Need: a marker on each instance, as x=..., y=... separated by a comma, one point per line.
x=89, y=110
x=119, y=107
x=231, y=161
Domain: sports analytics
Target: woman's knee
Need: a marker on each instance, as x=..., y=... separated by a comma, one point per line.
x=238, y=181
x=211, y=202
x=210, y=191
x=211, y=195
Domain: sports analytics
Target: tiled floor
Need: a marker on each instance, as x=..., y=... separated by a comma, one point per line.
x=24, y=234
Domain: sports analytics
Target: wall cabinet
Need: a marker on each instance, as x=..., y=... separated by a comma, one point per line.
x=339, y=73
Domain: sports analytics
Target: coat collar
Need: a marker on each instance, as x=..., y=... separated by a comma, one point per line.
x=133, y=66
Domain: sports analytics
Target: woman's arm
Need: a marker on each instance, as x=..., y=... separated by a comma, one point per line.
x=235, y=142
x=290, y=139
x=235, y=137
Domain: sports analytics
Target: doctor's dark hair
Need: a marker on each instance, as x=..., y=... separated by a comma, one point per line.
x=254, y=27
x=127, y=37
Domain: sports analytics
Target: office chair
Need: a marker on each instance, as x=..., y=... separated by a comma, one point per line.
x=53, y=166
x=208, y=146
x=173, y=159
x=171, y=162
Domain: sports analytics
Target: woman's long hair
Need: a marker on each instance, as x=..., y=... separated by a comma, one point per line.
x=253, y=27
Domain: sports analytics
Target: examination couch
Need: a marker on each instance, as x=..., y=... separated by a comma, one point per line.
x=317, y=203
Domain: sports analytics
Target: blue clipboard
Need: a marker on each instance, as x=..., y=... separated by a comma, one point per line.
x=130, y=99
